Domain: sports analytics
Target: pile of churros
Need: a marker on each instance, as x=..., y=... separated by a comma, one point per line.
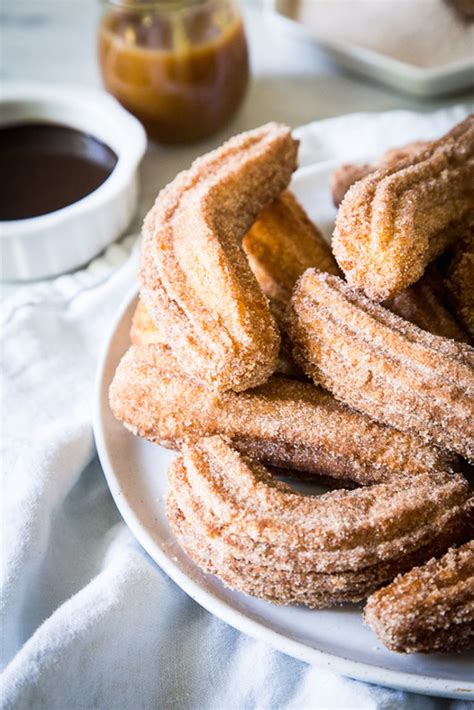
x=257, y=349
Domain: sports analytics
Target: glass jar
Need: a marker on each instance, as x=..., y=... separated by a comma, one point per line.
x=181, y=67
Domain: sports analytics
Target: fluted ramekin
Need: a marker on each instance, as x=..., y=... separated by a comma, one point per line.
x=60, y=241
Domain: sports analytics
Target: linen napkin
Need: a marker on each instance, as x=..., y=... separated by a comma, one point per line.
x=88, y=619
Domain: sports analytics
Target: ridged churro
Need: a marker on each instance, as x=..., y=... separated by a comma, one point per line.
x=195, y=279
x=284, y=422
x=426, y=305
x=430, y=608
x=460, y=281
x=393, y=222
x=143, y=330
x=423, y=303
x=382, y=365
x=199, y=377
x=261, y=537
x=282, y=244
x=346, y=175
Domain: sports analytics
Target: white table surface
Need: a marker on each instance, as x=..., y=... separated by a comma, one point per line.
x=293, y=81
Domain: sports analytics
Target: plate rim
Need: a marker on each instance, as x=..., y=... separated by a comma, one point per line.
x=358, y=670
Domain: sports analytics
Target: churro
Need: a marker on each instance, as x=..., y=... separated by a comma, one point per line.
x=346, y=175
x=143, y=331
x=282, y=244
x=460, y=281
x=426, y=305
x=382, y=365
x=263, y=538
x=195, y=279
x=393, y=222
x=223, y=248
x=430, y=608
x=284, y=422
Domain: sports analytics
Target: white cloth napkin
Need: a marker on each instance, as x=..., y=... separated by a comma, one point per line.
x=88, y=620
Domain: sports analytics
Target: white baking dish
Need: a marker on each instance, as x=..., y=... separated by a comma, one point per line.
x=405, y=77
x=60, y=241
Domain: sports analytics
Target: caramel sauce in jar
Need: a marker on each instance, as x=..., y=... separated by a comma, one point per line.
x=180, y=67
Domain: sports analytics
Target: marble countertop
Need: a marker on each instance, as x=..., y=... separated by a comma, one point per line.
x=292, y=80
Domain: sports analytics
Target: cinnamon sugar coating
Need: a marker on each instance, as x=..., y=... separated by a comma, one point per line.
x=263, y=538
x=203, y=362
x=382, y=365
x=346, y=175
x=195, y=279
x=430, y=608
x=282, y=244
x=284, y=422
x=143, y=330
x=426, y=305
x=393, y=222
x=460, y=281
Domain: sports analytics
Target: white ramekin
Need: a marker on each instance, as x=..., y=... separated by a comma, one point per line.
x=67, y=238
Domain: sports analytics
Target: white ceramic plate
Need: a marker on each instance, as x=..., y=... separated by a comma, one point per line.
x=402, y=76
x=336, y=638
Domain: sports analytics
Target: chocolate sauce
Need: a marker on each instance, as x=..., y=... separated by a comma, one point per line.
x=46, y=166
